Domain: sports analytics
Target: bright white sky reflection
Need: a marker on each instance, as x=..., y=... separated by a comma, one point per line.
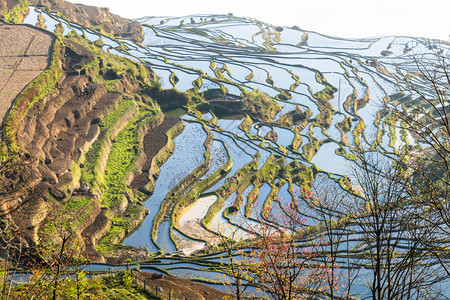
x=341, y=18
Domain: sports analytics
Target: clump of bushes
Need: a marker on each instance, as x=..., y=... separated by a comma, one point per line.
x=260, y=105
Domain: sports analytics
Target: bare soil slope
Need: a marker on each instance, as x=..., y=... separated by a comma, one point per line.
x=24, y=54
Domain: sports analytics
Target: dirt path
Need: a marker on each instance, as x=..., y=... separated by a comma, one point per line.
x=24, y=54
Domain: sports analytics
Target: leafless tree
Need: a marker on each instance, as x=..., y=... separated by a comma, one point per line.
x=425, y=115
x=393, y=251
x=331, y=205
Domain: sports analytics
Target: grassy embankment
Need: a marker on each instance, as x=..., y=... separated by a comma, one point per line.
x=35, y=90
x=15, y=15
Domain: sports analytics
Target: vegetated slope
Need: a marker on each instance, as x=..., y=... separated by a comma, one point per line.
x=182, y=288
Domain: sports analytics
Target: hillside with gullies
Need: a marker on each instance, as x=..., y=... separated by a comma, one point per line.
x=154, y=140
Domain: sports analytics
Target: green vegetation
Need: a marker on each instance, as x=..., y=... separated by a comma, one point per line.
x=298, y=173
x=297, y=82
x=344, y=126
x=297, y=141
x=350, y=156
x=119, y=285
x=119, y=74
x=272, y=136
x=296, y=117
x=304, y=41
x=121, y=225
x=284, y=95
x=250, y=76
x=92, y=172
x=358, y=132
x=17, y=14
x=173, y=79
x=121, y=161
x=123, y=155
x=76, y=203
x=323, y=97
x=214, y=93
x=246, y=124
x=260, y=105
x=41, y=21
x=270, y=169
x=350, y=98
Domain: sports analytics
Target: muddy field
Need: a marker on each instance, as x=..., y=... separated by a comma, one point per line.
x=24, y=54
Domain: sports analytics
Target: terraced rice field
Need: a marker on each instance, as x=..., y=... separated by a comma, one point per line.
x=293, y=66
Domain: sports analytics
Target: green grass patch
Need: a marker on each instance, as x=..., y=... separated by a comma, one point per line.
x=297, y=82
x=342, y=152
x=123, y=155
x=107, y=243
x=260, y=105
x=15, y=15
x=246, y=124
x=79, y=286
x=250, y=76
x=75, y=203
x=121, y=225
x=90, y=173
